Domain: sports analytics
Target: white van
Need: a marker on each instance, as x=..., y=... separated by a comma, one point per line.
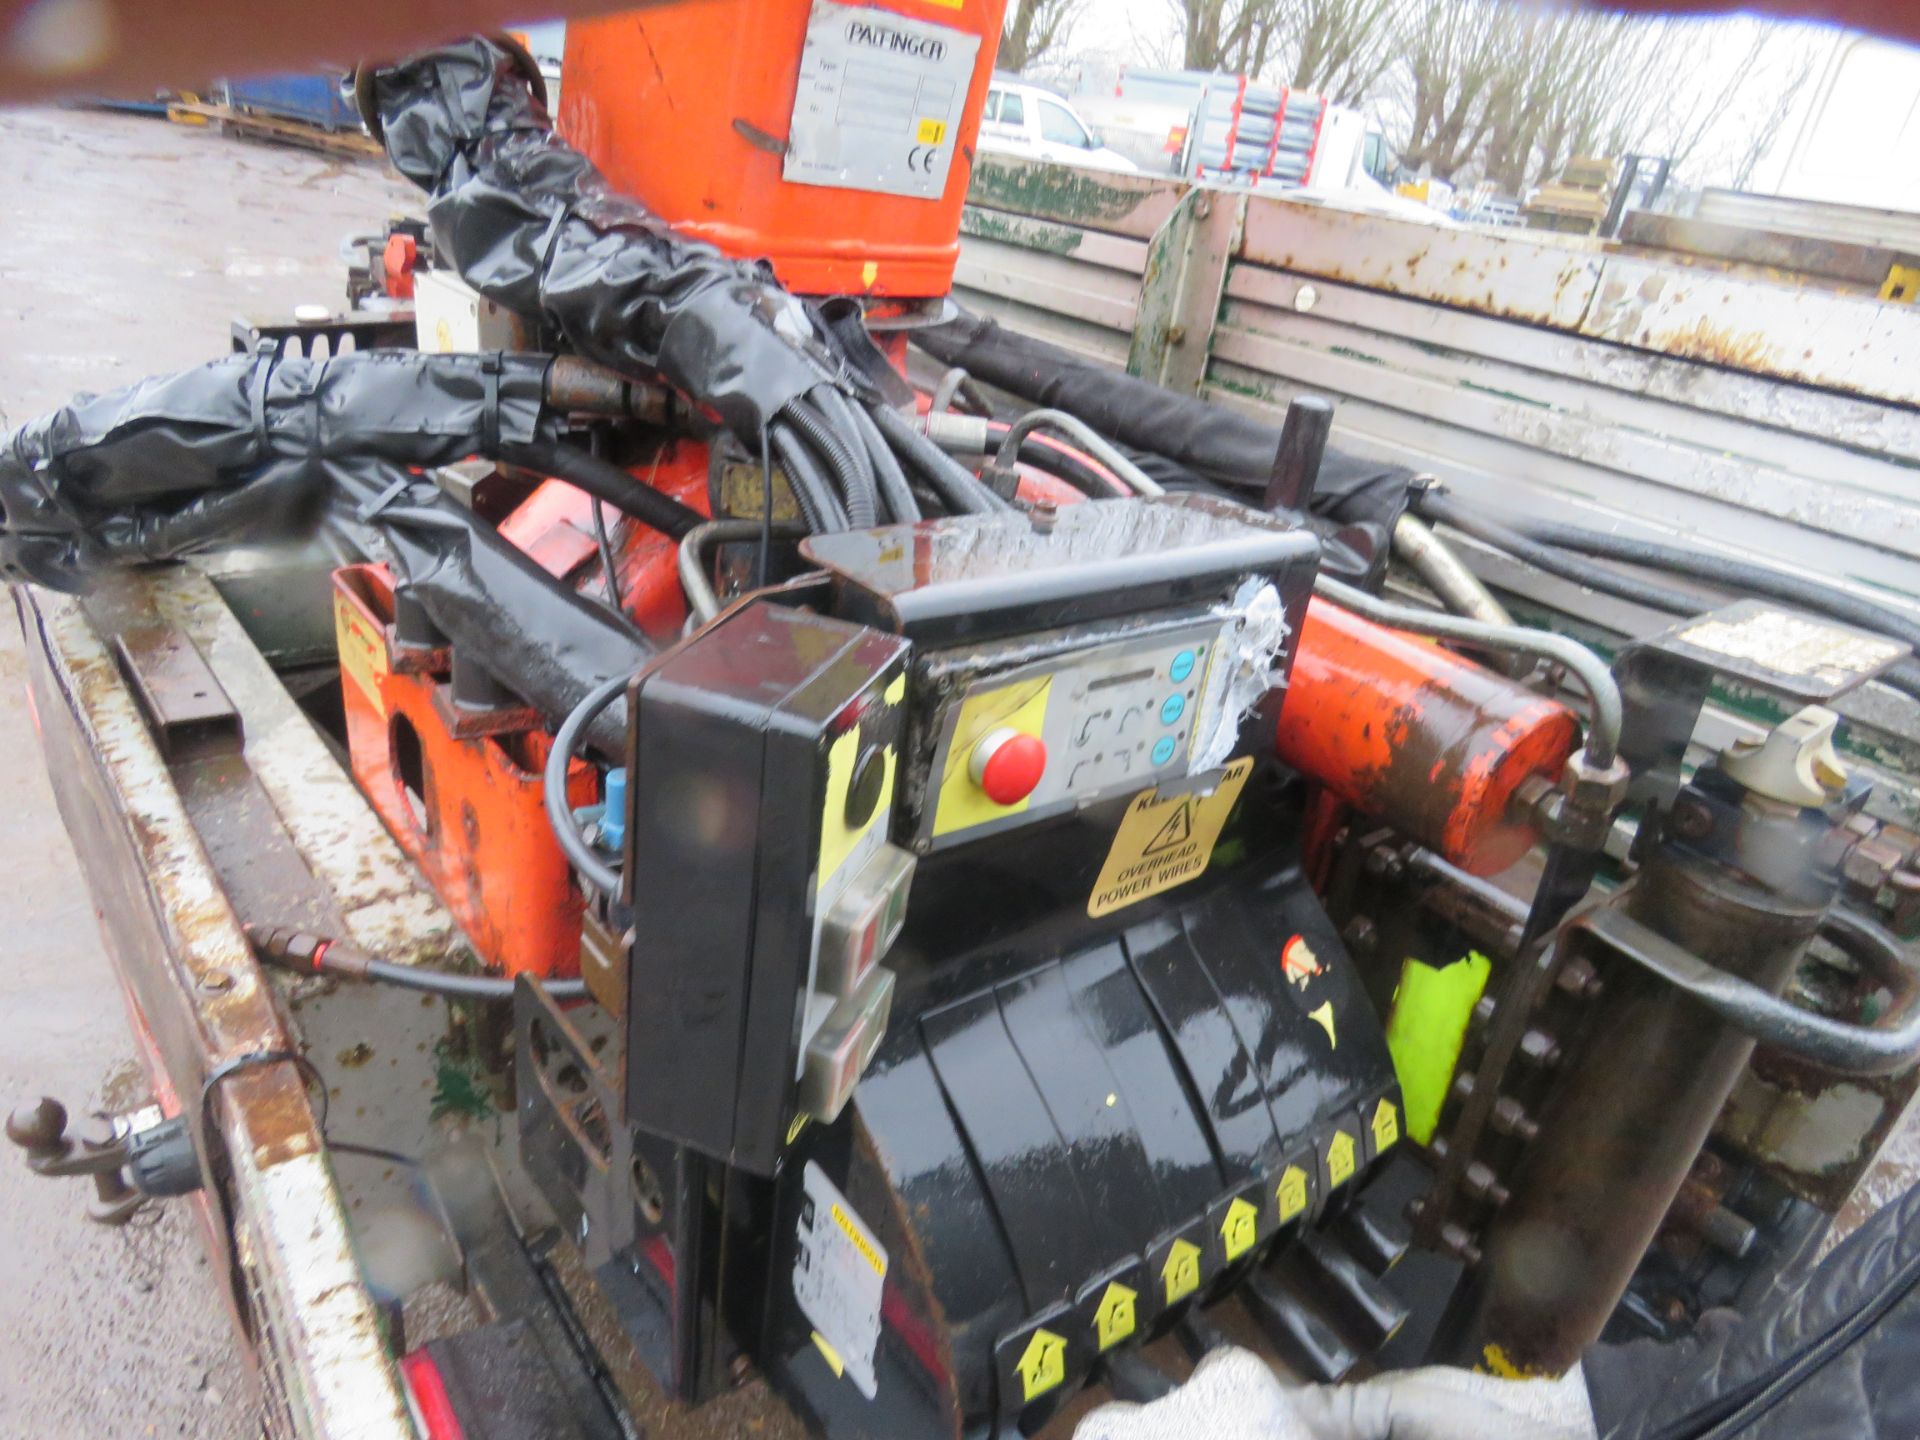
x=1026, y=120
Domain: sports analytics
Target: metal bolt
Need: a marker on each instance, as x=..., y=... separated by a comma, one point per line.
x=1176, y=334
x=1385, y=863
x=216, y=981
x=1483, y=1009
x=1540, y=1049
x=1455, y=1241
x=1362, y=937
x=1462, y=1087
x=1510, y=1117
x=1479, y=1181
x=1579, y=979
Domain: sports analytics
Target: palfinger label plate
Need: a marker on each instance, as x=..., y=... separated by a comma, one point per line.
x=1162, y=843
x=879, y=100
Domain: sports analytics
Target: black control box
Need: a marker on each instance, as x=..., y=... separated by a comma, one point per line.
x=764, y=755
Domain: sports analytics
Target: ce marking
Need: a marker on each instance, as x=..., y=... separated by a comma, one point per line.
x=922, y=158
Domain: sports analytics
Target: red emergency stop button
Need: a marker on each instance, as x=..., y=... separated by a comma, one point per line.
x=1007, y=764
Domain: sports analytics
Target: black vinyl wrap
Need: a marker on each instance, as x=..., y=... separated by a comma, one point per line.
x=254, y=448
x=529, y=222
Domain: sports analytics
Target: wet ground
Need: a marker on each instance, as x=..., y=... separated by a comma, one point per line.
x=127, y=245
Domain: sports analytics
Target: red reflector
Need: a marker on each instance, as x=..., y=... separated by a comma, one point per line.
x=432, y=1406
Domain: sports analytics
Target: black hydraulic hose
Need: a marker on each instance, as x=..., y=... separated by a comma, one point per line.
x=1730, y=573
x=606, y=481
x=895, y=492
x=957, y=486
x=819, y=506
x=319, y=955
x=596, y=871
x=832, y=417
x=1653, y=595
x=1903, y=675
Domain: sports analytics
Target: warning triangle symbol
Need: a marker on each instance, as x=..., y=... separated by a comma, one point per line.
x=1177, y=831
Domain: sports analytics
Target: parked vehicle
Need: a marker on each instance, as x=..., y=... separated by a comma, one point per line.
x=1026, y=120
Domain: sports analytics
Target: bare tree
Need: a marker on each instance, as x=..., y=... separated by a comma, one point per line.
x=1032, y=29
x=1235, y=36
x=1452, y=57
x=1340, y=48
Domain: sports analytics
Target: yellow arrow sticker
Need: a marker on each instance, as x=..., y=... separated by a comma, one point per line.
x=1385, y=1125
x=1239, y=1228
x=1043, y=1365
x=1182, y=1270
x=1114, y=1320
x=1291, y=1192
x=1340, y=1158
x=1323, y=1017
x=1164, y=843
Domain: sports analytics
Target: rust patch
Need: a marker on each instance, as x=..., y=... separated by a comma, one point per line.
x=1719, y=345
x=354, y=1056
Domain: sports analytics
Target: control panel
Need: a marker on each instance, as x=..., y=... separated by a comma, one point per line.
x=764, y=886
x=1055, y=734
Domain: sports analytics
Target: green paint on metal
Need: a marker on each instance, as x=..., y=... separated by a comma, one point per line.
x=1057, y=192
x=1018, y=230
x=460, y=1082
x=1428, y=1026
x=1347, y=353
x=1500, y=394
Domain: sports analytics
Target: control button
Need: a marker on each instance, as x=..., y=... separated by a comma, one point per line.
x=863, y=790
x=1182, y=666
x=1163, y=750
x=1008, y=764
x=1173, y=709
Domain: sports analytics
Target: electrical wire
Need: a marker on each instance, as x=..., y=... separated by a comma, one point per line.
x=819, y=506
x=812, y=429
x=1603, y=731
x=596, y=871
x=844, y=433
x=895, y=492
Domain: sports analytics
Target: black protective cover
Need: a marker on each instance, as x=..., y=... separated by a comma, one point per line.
x=1828, y=1355
x=529, y=222
x=251, y=448
x=1187, y=441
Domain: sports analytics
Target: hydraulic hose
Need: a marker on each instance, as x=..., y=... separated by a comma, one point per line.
x=1603, y=737
x=1443, y=572
x=1730, y=573
x=819, y=506
x=1103, y=450
x=1448, y=511
x=833, y=416
x=596, y=871
x=606, y=481
x=318, y=954
x=1903, y=675
x=894, y=489
x=958, y=487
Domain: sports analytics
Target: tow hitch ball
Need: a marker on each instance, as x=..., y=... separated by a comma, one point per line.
x=132, y=1158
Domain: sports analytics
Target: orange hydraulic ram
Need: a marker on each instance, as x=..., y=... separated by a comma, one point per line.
x=1433, y=744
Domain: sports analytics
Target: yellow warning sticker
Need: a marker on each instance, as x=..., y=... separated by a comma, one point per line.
x=1181, y=1273
x=858, y=1235
x=1239, y=1228
x=1341, y=1157
x=1043, y=1364
x=1164, y=843
x=363, y=650
x=1323, y=1017
x=962, y=803
x=830, y=1355
x=839, y=840
x=1291, y=1193
x=1113, y=1321
x=1385, y=1125
x=931, y=132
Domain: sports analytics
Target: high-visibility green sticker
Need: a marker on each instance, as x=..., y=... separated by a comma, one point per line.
x=1428, y=1026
